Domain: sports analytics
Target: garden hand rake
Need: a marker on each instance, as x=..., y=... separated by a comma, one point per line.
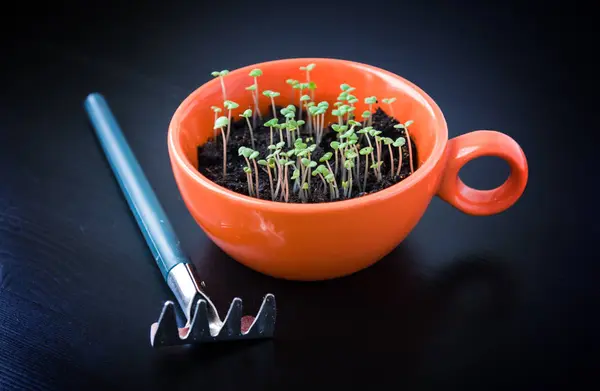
x=203, y=323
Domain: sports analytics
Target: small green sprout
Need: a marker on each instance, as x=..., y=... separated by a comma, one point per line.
x=388, y=141
x=348, y=165
x=321, y=170
x=389, y=102
x=250, y=155
x=371, y=100
x=255, y=74
x=248, y=172
x=338, y=114
x=269, y=164
x=312, y=86
x=334, y=191
x=400, y=141
x=272, y=95
x=221, y=123
x=216, y=110
x=308, y=69
x=229, y=105
x=292, y=83
x=405, y=127
x=271, y=124
x=337, y=147
x=376, y=135
x=366, y=151
x=221, y=75
x=247, y=114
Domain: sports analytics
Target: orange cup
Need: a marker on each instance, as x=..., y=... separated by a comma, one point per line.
x=328, y=240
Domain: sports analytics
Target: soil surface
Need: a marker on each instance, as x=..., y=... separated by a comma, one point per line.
x=210, y=158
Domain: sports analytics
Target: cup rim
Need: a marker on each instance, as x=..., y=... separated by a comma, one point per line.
x=178, y=156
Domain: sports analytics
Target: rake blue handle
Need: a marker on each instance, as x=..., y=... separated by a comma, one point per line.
x=144, y=205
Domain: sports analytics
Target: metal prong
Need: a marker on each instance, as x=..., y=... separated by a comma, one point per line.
x=165, y=331
x=200, y=326
x=264, y=324
x=232, y=326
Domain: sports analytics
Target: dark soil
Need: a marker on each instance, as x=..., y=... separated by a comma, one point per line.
x=210, y=158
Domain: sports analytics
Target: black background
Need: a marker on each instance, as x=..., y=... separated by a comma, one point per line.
x=499, y=302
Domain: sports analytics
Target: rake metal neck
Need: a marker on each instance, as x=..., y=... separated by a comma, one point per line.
x=183, y=282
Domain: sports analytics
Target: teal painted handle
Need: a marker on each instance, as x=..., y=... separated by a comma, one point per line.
x=144, y=205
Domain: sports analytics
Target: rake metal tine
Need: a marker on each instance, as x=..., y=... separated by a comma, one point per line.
x=165, y=332
x=199, y=325
x=232, y=326
x=264, y=324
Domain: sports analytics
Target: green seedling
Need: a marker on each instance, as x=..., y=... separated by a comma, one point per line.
x=366, y=116
x=389, y=102
x=286, y=184
x=221, y=123
x=291, y=127
x=272, y=95
x=364, y=132
x=335, y=194
x=335, y=145
x=250, y=155
x=388, y=141
x=366, y=151
x=303, y=98
x=280, y=127
x=319, y=120
x=349, y=165
x=292, y=83
x=229, y=105
x=216, y=110
x=325, y=158
x=308, y=69
x=274, y=157
x=247, y=114
x=272, y=123
x=245, y=152
x=299, y=124
x=221, y=75
x=345, y=87
x=255, y=74
x=405, y=127
x=377, y=163
x=311, y=85
x=270, y=163
x=400, y=141
x=377, y=169
x=320, y=170
x=338, y=114
x=371, y=100
x=252, y=158
x=306, y=167
x=248, y=172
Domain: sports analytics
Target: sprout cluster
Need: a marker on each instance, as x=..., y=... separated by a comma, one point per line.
x=342, y=167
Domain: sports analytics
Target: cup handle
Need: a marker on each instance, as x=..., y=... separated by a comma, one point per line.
x=464, y=148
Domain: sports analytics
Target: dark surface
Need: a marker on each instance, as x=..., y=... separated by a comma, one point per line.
x=500, y=302
x=210, y=157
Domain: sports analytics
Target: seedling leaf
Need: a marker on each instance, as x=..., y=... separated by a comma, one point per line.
x=221, y=122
